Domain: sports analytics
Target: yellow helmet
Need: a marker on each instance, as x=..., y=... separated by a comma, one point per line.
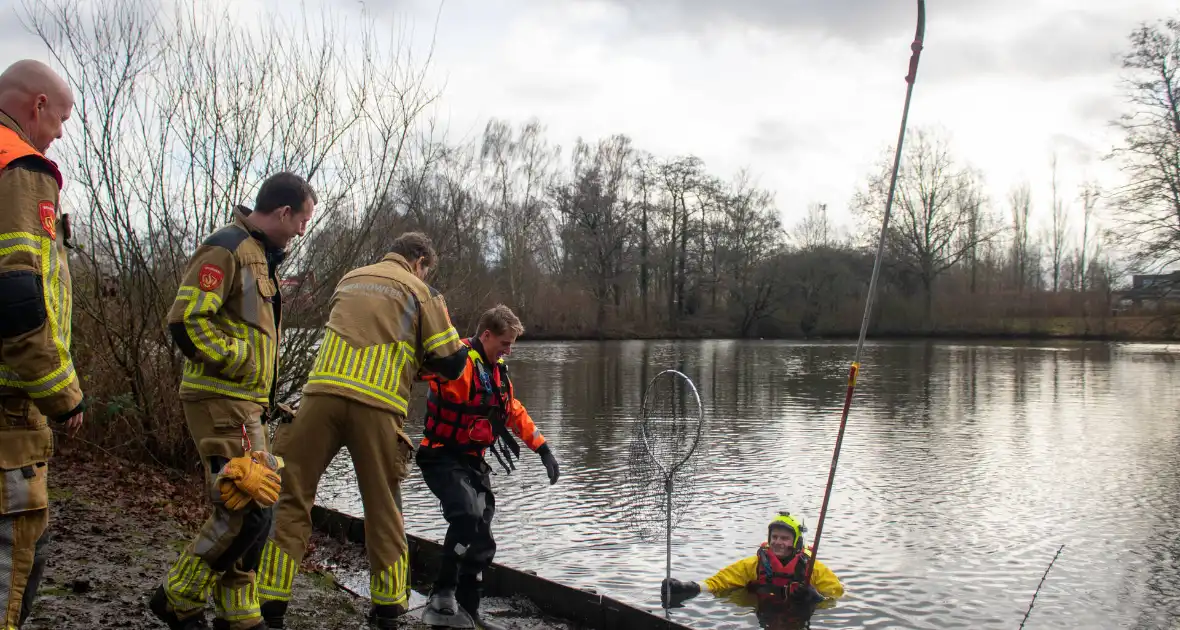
x=785, y=520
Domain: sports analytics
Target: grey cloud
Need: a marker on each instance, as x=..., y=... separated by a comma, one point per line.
x=1073, y=149
x=557, y=88
x=1103, y=108
x=1068, y=45
x=16, y=42
x=858, y=21
x=771, y=137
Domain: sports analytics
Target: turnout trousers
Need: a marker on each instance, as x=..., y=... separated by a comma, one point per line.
x=25, y=446
x=381, y=454
x=221, y=561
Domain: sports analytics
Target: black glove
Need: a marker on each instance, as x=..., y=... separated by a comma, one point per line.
x=809, y=596
x=673, y=591
x=550, y=462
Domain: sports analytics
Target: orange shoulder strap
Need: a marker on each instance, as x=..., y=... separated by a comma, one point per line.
x=12, y=148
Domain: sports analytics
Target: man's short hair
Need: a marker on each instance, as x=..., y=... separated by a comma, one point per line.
x=499, y=319
x=415, y=245
x=283, y=189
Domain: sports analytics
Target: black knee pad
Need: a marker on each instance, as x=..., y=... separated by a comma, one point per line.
x=466, y=529
x=40, y=555
x=273, y=612
x=253, y=556
x=247, y=545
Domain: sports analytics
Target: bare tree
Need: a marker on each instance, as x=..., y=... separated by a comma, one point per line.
x=1089, y=194
x=181, y=115
x=598, y=217
x=1149, y=205
x=815, y=229
x=518, y=169
x=750, y=237
x=929, y=231
x=646, y=183
x=1058, y=229
x=1021, y=201
x=682, y=178
x=979, y=229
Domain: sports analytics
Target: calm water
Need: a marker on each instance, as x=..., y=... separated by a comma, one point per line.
x=964, y=468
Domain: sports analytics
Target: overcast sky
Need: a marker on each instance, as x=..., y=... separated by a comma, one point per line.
x=805, y=93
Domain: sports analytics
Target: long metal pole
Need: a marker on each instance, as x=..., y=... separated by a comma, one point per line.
x=668, y=532
x=916, y=50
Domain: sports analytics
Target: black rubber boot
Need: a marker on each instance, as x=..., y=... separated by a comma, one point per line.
x=273, y=612
x=384, y=616
x=159, y=608
x=469, y=595
x=443, y=610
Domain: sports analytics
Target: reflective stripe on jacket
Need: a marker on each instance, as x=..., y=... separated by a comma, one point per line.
x=384, y=324
x=36, y=305
x=227, y=316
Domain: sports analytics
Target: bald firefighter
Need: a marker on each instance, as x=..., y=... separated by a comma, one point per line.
x=465, y=417
x=385, y=326
x=37, y=379
x=226, y=321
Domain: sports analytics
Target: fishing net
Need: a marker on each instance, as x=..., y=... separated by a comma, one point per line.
x=663, y=440
x=661, y=466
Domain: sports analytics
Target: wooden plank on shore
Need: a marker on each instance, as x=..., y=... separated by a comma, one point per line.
x=581, y=606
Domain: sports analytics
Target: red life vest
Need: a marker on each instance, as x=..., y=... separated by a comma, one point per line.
x=459, y=413
x=776, y=579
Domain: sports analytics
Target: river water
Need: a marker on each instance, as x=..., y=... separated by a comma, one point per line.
x=964, y=468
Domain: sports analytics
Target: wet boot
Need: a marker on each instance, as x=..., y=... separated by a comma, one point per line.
x=443, y=611
x=384, y=616
x=273, y=612
x=159, y=608
x=468, y=596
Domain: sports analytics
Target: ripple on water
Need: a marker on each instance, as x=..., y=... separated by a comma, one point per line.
x=964, y=468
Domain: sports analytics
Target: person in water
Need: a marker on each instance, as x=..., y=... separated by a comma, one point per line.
x=775, y=574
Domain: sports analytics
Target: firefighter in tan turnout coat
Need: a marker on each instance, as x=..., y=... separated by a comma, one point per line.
x=385, y=326
x=37, y=379
x=226, y=320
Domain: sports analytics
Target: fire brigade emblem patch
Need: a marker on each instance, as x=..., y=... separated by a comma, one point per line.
x=210, y=277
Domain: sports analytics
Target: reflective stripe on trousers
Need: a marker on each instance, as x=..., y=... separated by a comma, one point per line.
x=188, y=585
x=392, y=584
x=236, y=604
x=276, y=574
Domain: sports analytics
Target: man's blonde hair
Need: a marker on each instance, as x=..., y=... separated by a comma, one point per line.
x=499, y=319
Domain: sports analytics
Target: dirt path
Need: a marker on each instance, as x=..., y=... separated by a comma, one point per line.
x=117, y=526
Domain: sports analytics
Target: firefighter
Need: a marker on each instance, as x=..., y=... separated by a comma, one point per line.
x=774, y=574
x=38, y=384
x=226, y=320
x=465, y=417
x=385, y=325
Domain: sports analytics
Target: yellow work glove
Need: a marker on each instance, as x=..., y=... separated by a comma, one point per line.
x=253, y=476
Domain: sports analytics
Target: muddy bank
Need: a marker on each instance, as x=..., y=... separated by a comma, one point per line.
x=117, y=526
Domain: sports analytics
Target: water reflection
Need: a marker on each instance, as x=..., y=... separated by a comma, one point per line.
x=964, y=468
